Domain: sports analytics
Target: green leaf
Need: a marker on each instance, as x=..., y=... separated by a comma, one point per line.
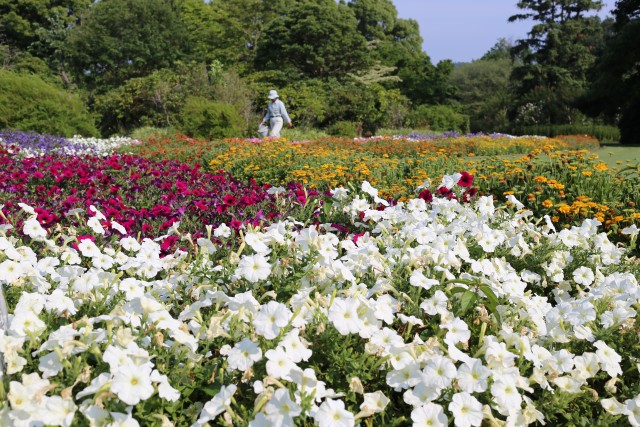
x=467, y=300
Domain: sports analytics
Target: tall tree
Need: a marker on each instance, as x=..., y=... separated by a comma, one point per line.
x=316, y=38
x=242, y=25
x=121, y=39
x=557, y=54
x=22, y=22
x=396, y=42
x=615, y=91
x=483, y=88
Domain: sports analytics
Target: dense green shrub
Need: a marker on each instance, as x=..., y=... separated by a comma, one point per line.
x=154, y=100
x=438, y=118
x=344, y=128
x=29, y=103
x=202, y=118
x=602, y=132
x=630, y=125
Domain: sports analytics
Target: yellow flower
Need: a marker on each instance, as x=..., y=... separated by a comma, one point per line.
x=547, y=204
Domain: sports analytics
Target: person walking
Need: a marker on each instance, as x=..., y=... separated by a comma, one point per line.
x=276, y=115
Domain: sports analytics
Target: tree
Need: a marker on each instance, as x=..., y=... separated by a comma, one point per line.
x=615, y=91
x=483, y=90
x=314, y=38
x=557, y=55
x=242, y=25
x=121, y=39
x=396, y=42
x=376, y=18
x=501, y=50
x=24, y=22
x=423, y=83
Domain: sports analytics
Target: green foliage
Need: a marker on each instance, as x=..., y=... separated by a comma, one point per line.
x=26, y=23
x=154, y=100
x=146, y=132
x=308, y=100
x=601, y=132
x=439, y=118
x=483, y=91
x=122, y=39
x=616, y=87
x=557, y=55
x=231, y=89
x=423, y=83
x=344, y=128
x=314, y=39
x=302, y=133
x=202, y=118
x=28, y=103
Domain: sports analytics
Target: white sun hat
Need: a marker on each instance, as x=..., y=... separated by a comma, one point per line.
x=273, y=94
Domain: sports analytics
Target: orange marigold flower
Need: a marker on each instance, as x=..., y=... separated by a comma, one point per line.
x=547, y=204
x=587, y=173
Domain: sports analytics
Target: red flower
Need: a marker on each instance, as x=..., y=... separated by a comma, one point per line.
x=469, y=194
x=168, y=242
x=466, y=180
x=426, y=195
x=229, y=200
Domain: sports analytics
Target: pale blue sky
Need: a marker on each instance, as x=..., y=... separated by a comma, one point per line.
x=463, y=30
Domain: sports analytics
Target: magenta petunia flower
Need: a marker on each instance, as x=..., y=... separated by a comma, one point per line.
x=466, y=180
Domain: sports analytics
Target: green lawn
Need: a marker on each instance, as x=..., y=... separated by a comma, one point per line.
x=618, y=155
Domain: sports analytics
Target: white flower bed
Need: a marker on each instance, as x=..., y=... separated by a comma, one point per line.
x=458, y=313
x=76, y=146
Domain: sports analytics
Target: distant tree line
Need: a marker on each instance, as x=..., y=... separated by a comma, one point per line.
x=113, y=66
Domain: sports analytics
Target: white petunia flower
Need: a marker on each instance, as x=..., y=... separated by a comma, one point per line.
x=472, y=377
x=466, y=409
x=10, y=271
x=609, y=359
x=333, y=414
x=271, y=318
x=374, y=402
x=429, y=415
x=59, y=411
x=253, y=268
x=130, y=244
x=343, y=314
x=95, y=225
x=418, y=279
x=457, y=331
x=279, y=365
x=583, y=276
x=257, y=242
x=132, y=383
x=217, y=405
x=282, y=404
x=222, y=231
x=506, y=396
x=243, y=355
x=33, y=229
x=295, y=346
